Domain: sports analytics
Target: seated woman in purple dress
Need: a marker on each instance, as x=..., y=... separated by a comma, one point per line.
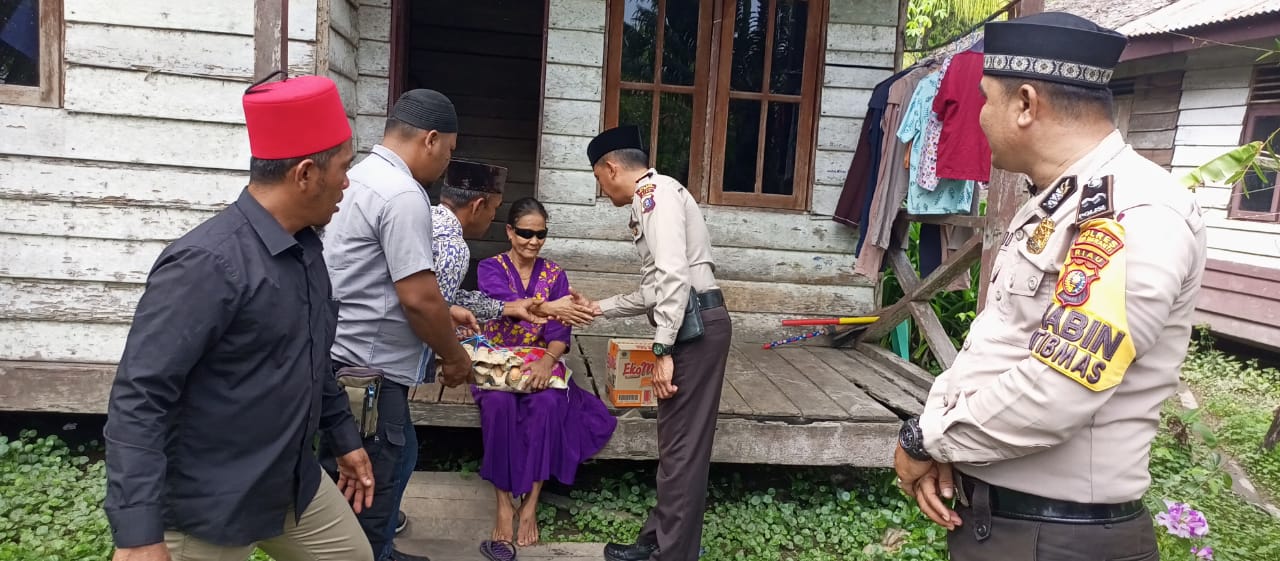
x=529, y=438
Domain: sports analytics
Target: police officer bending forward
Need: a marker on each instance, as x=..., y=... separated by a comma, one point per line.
x=679, y=290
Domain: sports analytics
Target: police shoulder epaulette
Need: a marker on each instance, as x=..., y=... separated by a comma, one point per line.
x=1095, y=200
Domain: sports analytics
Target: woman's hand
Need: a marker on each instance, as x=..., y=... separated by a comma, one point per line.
x=566, y=310
x=523, y=310
x=539, y=372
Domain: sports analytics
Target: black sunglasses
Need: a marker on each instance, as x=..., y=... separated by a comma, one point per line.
x=530, y=234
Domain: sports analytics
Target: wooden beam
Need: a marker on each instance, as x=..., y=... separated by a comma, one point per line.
x=959, y=262
x=270, y=37
x=1028, y=7
x=962, y=220
x=1002, y=204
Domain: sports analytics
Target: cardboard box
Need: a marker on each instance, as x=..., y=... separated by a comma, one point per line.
x=629, y=373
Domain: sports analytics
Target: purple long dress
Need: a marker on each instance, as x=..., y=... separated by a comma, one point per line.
x=533, y=437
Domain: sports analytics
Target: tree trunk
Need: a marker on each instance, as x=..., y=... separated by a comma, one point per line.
x=1273, y=433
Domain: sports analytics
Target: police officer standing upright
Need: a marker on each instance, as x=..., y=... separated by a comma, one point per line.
x=1043, y=426
x=679, y=290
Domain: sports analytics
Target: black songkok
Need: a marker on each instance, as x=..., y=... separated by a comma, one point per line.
x=475, y=176
x=619, y=138
x=426, y=109
x=1052, y=47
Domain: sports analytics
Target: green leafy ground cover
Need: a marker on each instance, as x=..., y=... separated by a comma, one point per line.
x=51, y=494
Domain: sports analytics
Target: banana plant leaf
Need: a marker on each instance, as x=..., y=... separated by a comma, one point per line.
x=1232, y=166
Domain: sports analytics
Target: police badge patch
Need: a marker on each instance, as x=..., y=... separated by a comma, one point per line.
x=1060, y=192
x=647, y=204
x=1095, y=200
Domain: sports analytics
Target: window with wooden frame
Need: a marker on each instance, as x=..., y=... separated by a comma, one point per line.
x=1255, y=197
x=725, y=92
x=31, y=52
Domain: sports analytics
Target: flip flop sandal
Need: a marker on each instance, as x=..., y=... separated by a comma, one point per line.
x=499, y=550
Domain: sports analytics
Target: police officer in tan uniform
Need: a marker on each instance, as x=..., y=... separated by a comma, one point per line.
x=678, y=289
x=1042, y=428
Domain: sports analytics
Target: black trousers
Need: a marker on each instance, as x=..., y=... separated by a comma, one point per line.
x=686, y=431
x=391, y=450
x=1024, y=540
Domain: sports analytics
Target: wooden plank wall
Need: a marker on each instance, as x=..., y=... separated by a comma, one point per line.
x=1212, y=109
x=150, y=142
x=1153, y=116
x=340, y=42
x=483, y=54
x=373, y=63
x=1239, y=302
x=771, y=264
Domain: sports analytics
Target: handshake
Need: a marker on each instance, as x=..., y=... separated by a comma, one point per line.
x=574, y=310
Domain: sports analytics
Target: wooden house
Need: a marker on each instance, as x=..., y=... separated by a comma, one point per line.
x=126, y=131
x=1189, y=88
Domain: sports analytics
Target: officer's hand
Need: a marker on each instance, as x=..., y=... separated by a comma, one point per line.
x=463, y=317
x=454, y=373
x=355, y=479
x=587, y=303
x=153, y=552
x=567, y=310
x=909, y=470
x=930, y=491
x=663, y=373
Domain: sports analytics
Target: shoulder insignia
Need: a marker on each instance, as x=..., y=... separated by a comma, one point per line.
x=1059, y=193
x=647, y=204
x=1095, y=200
x=646, y=190
x=1084, y=335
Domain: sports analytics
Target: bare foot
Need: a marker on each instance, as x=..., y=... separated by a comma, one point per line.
x=502, y=527
x=528, y=523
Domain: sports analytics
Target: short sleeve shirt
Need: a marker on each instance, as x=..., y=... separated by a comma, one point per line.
x=380, y=235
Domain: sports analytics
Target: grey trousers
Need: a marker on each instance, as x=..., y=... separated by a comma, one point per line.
x=686, y=431
x=1025, y=540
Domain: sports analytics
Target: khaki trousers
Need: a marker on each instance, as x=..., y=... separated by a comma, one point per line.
x=327, y=531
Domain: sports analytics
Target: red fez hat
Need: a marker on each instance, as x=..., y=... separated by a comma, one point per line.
x=294, y=117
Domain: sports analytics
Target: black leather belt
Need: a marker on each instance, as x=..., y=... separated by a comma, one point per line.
x=710, y=299
x=1007, y=503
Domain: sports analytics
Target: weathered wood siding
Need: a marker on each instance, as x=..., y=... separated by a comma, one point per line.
x=1211, y=120
x=340, y=41
x=772, y=264
x=150, y=142
x=1152, y=122
x=1240, y=302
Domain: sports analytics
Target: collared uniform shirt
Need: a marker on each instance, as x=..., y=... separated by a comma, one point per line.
x=1040, y=398
x=381, y=234
x=224, y=381
x=675, y=250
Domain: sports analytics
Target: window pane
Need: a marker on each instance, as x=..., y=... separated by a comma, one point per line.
x=675, y=126
x=1258, y=191
x=788, y=46
x=636, y=108
x=1264, y=126
x=749, y=30
x=639, y=38
x=20, y=42
x=741, y=139
x=780, y=149
x=680, y=42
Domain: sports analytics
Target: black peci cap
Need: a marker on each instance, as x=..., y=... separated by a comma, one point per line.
x=475, y=176
x=619, y=138
x=1053, y=47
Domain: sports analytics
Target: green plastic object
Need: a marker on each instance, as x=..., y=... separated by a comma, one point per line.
x=899, y=339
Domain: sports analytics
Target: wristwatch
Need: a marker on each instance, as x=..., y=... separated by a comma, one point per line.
x=661, y=350
x=912, y=440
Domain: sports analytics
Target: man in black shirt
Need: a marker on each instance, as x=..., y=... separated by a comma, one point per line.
x=226, y=378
